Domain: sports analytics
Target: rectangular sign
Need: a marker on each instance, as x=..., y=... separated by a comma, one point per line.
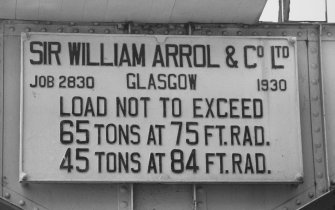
x=146, y=108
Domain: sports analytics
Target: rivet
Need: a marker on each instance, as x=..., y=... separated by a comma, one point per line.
x=182, y=25
x=322, y=189
x=107, y=31
x=222, y=25
x=12, y=29
x=124, y=204
x=96, y=24
x=329, y=34
x=172, y=27
x=239, y=33
x=72, y=23
x=320, y=175
x=310, y=194
x=299, y=177
x=209, y=33
x=7, y=195
x=91, y=30
x=254, y=33
x=22, y=202
x=48, y=23
x=43, y=29
x=269, y=33
x=180, y=32
x=314, y=81
x=75, y=30
x=151, y=32
x=24, y=176
x=120, y=26
x=60, y=30
x=123, y=189
x=284, y=33
x=319, y=159
x=27, y=29
x=224, y=33
x=197, y=27
x=266, y=26
x=298, y=202
x=166, y=32
x=299, y=33
x=318, y=144
x=316, y=114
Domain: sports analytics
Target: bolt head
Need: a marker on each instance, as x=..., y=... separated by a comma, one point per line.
x=7, y=195
x=124, y=204
x=22, y=203
x=299, y=178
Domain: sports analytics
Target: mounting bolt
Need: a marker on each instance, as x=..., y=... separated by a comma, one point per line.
x=284, y=33
x=310, y=194
x=123, y=189
x=124, y=204
x=27, y=29
x=269, y=33
x=107, y=31
x=12, y=29
x=320, y=175
x=291, y=41
x=299, y=33
x=298, y=202
x=7, y=195
x=91, y=30
x=329, y=34
x=239, y=33
x=60, y=30
x=22, y=203
x=43, y=29
x=24, y=176
x=299, y=177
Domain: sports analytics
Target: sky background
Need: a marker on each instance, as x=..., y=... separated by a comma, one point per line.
x=302, y=10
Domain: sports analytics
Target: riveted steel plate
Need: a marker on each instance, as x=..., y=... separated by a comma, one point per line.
x=111, y=108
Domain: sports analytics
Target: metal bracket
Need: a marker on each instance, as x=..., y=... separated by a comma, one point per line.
x=317, y=114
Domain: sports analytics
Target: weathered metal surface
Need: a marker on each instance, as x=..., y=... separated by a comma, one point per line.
x=319, y=148
x=160, y=11
x=146, y=196
x=1, y=105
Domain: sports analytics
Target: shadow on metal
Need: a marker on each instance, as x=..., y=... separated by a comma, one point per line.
x=5, y=205
x=325, y=202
